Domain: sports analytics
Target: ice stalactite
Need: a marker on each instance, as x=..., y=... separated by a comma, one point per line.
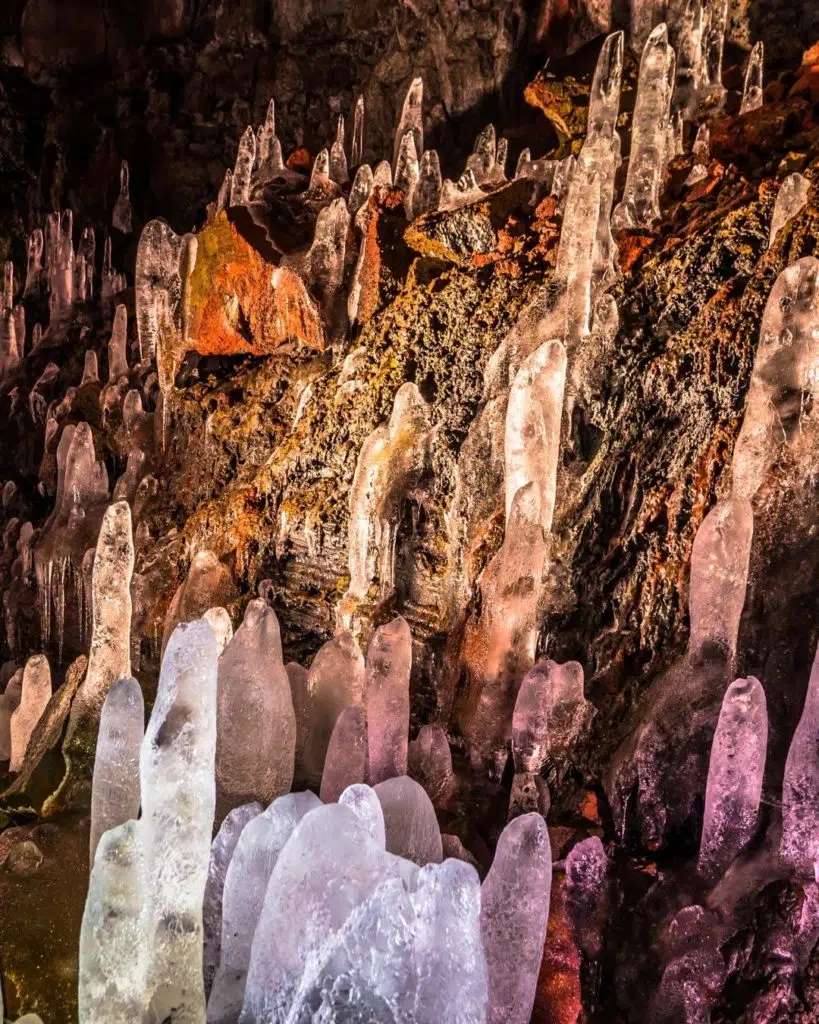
x=407, y=172
x=777, y=427
x=752, y=90
x=243, y=169
x=640, y=205
x=208, y=584
x=34, y=262
x=790, y=200
x=429, y=762
x=248, y=872
x=109, y=658
x=357, y=142
x=115, y=796
x=35, y=695
x=123, y=215
x=644, y=784
x=388, y=666
x=427, y=195
x=336, y=681
x=178, y=802
x=411, y=120
x=164, y=262
x=256, y=724
x=734, y=776
x=390, y=464
x=346, y=761
x=514, y=914
x=410, y=824
x=338, y=157
x=532, y=434
x=113, y=946
x=800, y=787
x=222, y=850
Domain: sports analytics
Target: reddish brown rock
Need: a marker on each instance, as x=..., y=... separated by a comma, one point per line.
x=557, y=1000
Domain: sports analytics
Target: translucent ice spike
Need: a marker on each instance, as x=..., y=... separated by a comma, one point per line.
x=117, y=346
x=604, y=100
x=427, y=196
x=752, y=90
x=790, y=200
x=409, y=820
x=338, y=157
x=267, y=133
x=36, y=694
x=243, y=169
x=482, y=160
x=357, y=151
x=34, y=262
x=411, y=120
x=407, y=171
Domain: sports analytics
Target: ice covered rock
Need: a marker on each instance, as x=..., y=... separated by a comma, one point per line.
x=429, y=762
x=256, y=725
x=388, y=665
x=336, y=681
x=248, y=872
x=409, y=821
x=222, y=850
x=346, y=761
x=115, y=795
x=790, y=200
x=35, y=695
x=514, y=914
x=734, y=776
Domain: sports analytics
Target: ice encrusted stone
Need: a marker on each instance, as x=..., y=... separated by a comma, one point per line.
x=115, y=794
x=514, y=914
x=247, y=874
x=735, y=776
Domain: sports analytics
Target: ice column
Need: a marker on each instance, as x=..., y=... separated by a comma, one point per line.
x=784, y=382
x=115, y=796
x=514, y=914
x=734, y=776
x=36, y=694
x=336, y=681
x=790, y=200
x=346, y=761
x=389, y=661
x=256, y=725
x=122, y=217
x=257, y=849
x=640, y=205
x=178, y=798
x=752, y=91
x=411, y=120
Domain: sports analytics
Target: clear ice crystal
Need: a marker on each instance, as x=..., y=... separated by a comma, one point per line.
x=256, y=724
x=407, y=172
x=388, y=666
x=482, y=159
x=640, y=205
x=346, y=761
x=410, y=824
x=752, y=90
x=514, y=914
x=338, y=157
x=35, y=695
x=411, y=120
x=115, y=795
x=790, y=200
x=361, y=189
x=242, y=179
x=118, y=346
x=604, y=99
x=734, y=776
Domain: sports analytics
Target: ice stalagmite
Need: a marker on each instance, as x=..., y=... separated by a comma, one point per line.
x=429, y=761
x=335, y=682
x=800, y=787
x=364, y=803
x=247, y=875
x=346, y=761
x=604, y=99
x=9, y=703
x=784, y=382
x=407, y=172
x=115, y=796
x=298, y=677
x=34, y=262
x=530, y=721
x=222, y=850
x=178, y=800
x=256, y=724
x=36, y=694
x=640, y=206
x=411, y=120
x=752, y=90
x=427, y=196
x=382, y=174
x=734, y=776
x=409, y=821
x=7, y=294
x=533, y=422
x=113, y=941
x=361, y=190
x=586, y=869
x=117, y=346
x=390, y=462
x=243, y=169
x=389, y=661
x=208, y=584
x=482, y=159
x=514, y=913
x=90, y=373
x=357, y=145
x=790, y=200
x=338, y=158
x=122, y=216
x=266, y=138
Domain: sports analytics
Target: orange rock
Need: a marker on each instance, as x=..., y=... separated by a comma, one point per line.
x=589, y=809
x=558, y=999
x=299, y=160
x=810, y=58
x=632, y=247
